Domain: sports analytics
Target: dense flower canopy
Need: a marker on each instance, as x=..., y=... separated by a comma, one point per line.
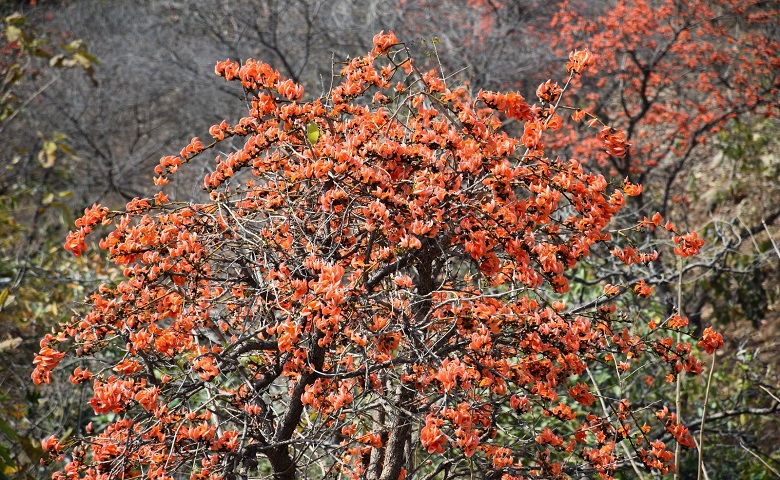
x=374, y=288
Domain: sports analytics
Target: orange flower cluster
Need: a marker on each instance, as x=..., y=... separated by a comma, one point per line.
x=92, y=216
x=614, y=142
x=46, y=361
x=688, y=244
x=383, y=41
x=431, y=436
x=53, y=447
x=711, y=340
x=578, y=60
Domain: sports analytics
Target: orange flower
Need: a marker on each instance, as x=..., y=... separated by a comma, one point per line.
x=549, y=92
x=74, y=242
x=467, y=440
x=521, y=404
x=676, y=321
x=111, y=396
x=80, y=376
x=547, y=437
x=681, y=434
x=449, y=373
x=642, y=289
x=205, y=367
x=431, y=436
x=46, y=361
x=578, y=60
x=688, y=244
x=227, y=69
x=384, y=41
x=563, y=412
x=290, y=90
x=51, y=445
x=581, y=394
x=148, y=398
x=711, y=340
x=532, y=135
x=615, y=143
x=631, y=189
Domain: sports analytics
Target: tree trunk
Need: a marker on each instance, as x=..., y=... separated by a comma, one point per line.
x=400, y=433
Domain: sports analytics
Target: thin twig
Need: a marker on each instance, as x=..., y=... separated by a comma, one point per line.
x=678, y=384
x=741, y=444
x=606, y=415
x=777, y=251
x=769, y=393
x=703, y=418
x=32, y=97
x=752, y=238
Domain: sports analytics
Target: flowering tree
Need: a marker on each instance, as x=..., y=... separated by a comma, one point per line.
x=672, y=78
x=373, y=290
x=676, y=73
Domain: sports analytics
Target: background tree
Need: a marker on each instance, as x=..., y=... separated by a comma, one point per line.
x=37, y=281
x=672, y=93
x=693, y=84
x=488, y=41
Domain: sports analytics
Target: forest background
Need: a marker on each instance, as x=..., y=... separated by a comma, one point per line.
x=94, y=93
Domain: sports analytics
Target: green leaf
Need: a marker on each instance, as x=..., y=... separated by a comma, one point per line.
x=312, y=132
x=7, y=430
x=34, y=451
x=56, y=60
x=82, y=59
x=7, y=464
x=11, y=343
x=15, y=18
x=74, y=46
x=13, y=33
x=48, y=154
